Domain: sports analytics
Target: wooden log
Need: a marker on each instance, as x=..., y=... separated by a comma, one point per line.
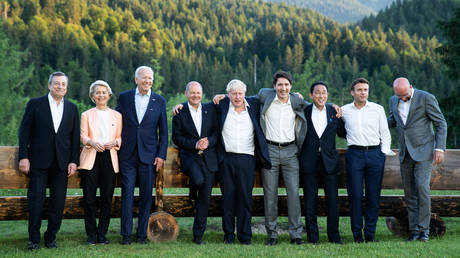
x=444, y=177
x=400, y=225
x=162, y=227
x=15, y=208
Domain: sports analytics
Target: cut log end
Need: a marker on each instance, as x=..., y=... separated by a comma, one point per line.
x=400, y=226
x=162, y=227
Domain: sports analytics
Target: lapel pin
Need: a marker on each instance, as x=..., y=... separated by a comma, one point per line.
x=153, y=99
x=205, y=112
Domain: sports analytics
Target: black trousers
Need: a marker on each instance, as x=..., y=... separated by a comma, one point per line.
x=199, y=172
x=311, y=182
x=101, y=175
x=238, y=180
x=36, y=193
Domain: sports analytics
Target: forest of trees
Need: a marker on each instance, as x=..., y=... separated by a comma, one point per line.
x=208, y=41
x=341, y=10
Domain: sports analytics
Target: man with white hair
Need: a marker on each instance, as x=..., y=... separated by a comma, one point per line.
x=414, y=112
x=143, y=151
x=242, y=147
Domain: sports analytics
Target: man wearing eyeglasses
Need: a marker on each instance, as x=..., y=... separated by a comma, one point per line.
x=415, y=112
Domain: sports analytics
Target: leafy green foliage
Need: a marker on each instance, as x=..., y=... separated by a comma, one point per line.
x=213, y=42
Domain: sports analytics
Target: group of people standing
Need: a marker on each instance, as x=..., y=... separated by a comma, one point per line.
x=227, y=140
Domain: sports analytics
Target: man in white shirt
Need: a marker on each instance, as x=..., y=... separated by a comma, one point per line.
x=368, y=140
x=49, y=150
x=194, y=131
x=415, y=112
x=242, y=148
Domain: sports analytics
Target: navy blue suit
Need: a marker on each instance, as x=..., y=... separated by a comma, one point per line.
x=141, y=144
x=199, y=167
x=238, y=175
x=318, y=163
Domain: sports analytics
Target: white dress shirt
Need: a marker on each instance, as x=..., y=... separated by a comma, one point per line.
x=367, y=126
x=319, y=119
x=196, y=117
x=57, y=110
x=403, y=107
x=104, y=125
x=141, y=102
x=280, y=121
x=238, y=132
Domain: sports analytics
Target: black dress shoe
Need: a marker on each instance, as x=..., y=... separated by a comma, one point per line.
x=102, y=240
x=271, y=241
x=91, y=240
x=338, y=242
x=297, y=241
x=229, y=241
x=423, y=237
x=142, y=240
x=370, y=239
x=198, y=241
x=358, y=240
x=246, y=242
x=32, y=246
x=413, y=237
x=51, y=244
x=126, y=240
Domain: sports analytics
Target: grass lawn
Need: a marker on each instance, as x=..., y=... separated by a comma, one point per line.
x=72, y=238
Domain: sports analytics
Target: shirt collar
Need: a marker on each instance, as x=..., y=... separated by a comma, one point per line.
x=139, y=93
x=353, y=104
x=277, y=99
x=191, y=108
x=317, y=110
x=52, y=100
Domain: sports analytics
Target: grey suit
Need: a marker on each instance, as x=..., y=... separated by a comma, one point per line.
x=284, y=159
x=417, y=142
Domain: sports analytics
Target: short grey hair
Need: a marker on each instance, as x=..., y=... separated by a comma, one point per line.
x=235, y=84
x=143, y=67
x=189, y=84
x=92, y=88
x=57, y=74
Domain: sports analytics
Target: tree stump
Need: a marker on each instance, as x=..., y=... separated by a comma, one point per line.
x=162, y=227
x=400, y=226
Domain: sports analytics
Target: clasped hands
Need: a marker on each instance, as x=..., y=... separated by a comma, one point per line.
x=102, y=147
x=202, y=144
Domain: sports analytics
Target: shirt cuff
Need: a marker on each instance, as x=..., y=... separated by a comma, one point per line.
x=439, y=150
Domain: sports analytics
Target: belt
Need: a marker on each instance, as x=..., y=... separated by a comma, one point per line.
x=358, y=147
x=280, y=144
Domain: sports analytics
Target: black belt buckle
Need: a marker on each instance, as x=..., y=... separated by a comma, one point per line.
x=280, y=144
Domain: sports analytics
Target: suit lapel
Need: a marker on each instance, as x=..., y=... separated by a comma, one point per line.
x=132, y=105
x=204, y=120
x=47, y=112
x=268, y=102
x=225, y=103
x=329, y=115
x=413, y=103
x=189, y=119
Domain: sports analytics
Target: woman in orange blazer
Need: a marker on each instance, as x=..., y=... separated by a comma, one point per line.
x=100, y=134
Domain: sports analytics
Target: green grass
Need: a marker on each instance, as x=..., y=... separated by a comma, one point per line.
x=71, y=240
x=72, y=237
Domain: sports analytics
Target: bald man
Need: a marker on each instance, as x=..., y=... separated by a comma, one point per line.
x=415, y=112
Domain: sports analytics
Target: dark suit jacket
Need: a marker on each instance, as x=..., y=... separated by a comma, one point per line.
x=309, y=157
x=261, y=149
x=40, y=143
x=143, y=135
x=185, y=136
